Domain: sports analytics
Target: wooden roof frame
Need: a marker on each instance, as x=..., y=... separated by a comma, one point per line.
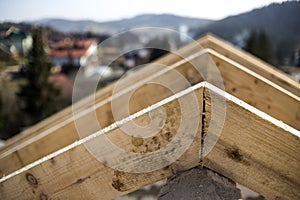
x=255, y=157
x=22, y=150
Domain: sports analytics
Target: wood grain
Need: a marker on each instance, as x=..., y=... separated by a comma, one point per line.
x=76, y=174
x=258, y=91
x=253, y=149
x=243, y=83
x=251, y=62
x=207, y=41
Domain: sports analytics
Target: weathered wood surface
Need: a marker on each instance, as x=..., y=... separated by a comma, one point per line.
x=253, y=149
x=243, y=83
x=76, y=174
x=65, y=132
x=99, y=96
x=258, y=91
x=86, y=103
x=207, y=41
x=251, y=62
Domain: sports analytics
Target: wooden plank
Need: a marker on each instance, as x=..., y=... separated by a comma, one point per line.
x=251, y=62
x=99, y=96
x=258, y=91
x=253, y=149
x=239, y=81
x=55, y=119
x=76, y=174
x=65, y=132
x=207, y=41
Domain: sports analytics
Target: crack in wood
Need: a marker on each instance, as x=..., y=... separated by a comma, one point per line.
x=203, y=129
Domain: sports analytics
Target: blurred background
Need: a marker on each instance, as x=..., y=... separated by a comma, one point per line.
x=43, y=44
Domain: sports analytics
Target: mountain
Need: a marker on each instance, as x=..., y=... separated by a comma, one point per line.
x=64, y=25
x=147, y=20
x=281, y=22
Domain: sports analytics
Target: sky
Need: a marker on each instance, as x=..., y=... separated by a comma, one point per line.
x=104, y=10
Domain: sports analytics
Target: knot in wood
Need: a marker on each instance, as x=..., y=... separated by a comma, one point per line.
x=31, y=179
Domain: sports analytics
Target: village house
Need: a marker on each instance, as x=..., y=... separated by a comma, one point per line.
x=74, y=52
x=15, y=42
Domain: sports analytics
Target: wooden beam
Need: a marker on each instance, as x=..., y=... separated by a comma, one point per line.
x=75, y=173
x=87, y=102
x=65, y=132
x=207, y=41
x=55, y=119
x=251, y=62
x=253, y=149
x=258, y=91
x=243, y=83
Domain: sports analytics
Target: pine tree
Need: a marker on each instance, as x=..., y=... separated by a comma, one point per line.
x=11, y=119
x=265, y=50
x=38, y=95
x=251, y=42
x=259, y=45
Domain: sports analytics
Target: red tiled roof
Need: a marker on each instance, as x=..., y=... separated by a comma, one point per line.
x=71, y=48
x=63, y=83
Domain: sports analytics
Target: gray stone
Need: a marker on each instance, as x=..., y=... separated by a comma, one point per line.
x=199, y=184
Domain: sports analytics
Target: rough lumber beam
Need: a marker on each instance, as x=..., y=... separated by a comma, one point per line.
x=65, y=132
x=207, y=41
x=76, y=174
x=258, y=91
x=251, y=62
x=101, y=95
x=86, y=103
x=243, y=83
x=253, y=149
